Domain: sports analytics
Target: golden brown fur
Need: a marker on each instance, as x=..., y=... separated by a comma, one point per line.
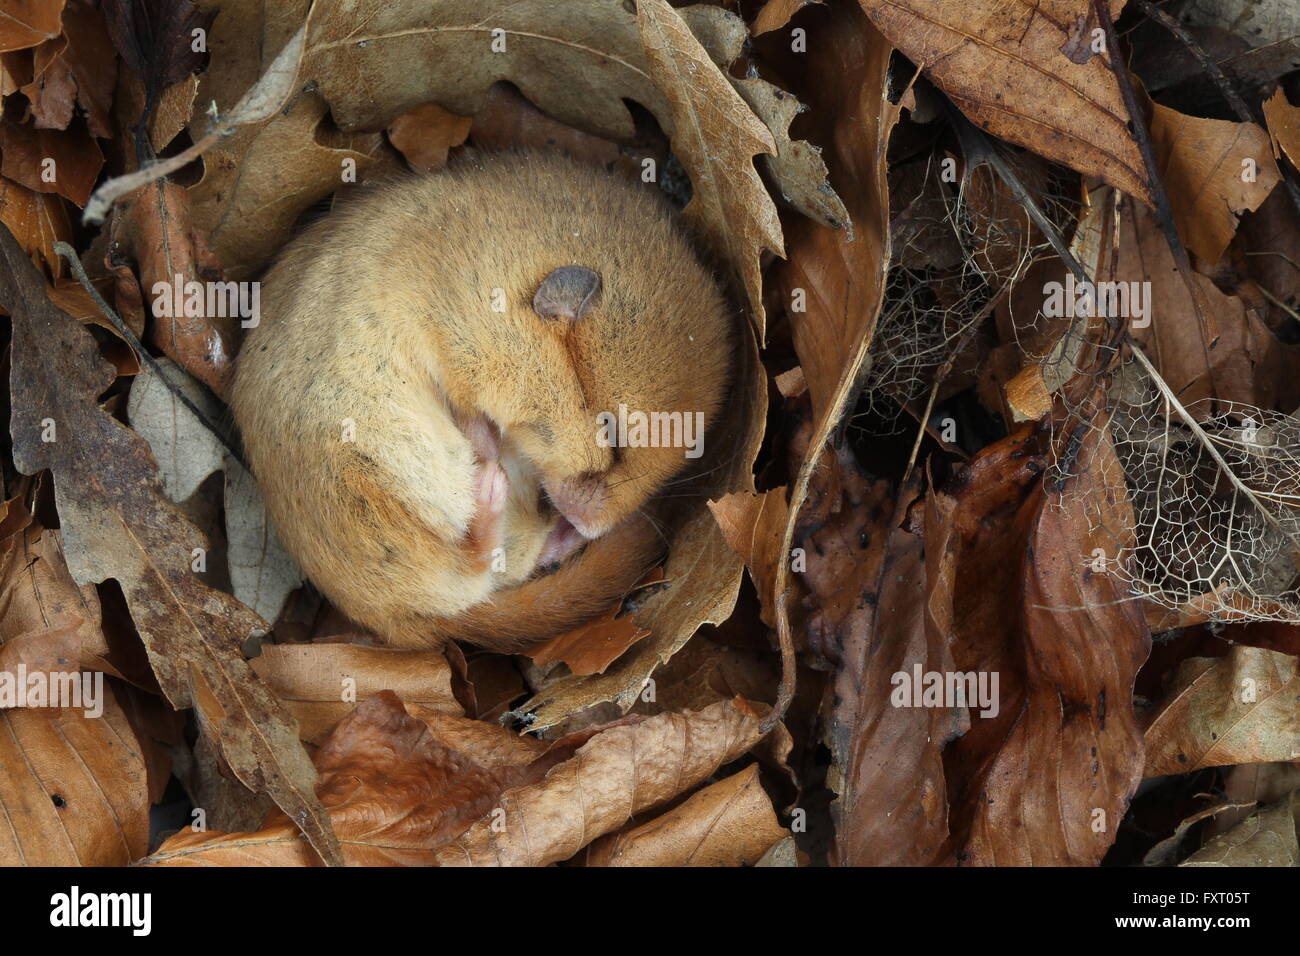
x=381, y=318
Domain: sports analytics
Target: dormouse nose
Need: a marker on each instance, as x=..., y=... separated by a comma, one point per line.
x=583, y=500
x=569, y=292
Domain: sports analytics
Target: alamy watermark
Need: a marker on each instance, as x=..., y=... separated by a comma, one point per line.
x=637, y=429
x=946, y=689
x=83, y=690
x=192, y=299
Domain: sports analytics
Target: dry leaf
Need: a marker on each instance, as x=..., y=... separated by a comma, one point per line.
x=28, y=153
x=424, y=134
x=73, y=788
x=76, y=69
x=730, y=823
x=716, y=135
x=395, y=790
x=1214, y=172
x=153, y=226
x=29, y=22
x=1025, y=73
x=870, y=616
x=123, y=528
x=320, y=684
x=1283, y=127
x=1241, y=708
x=1266, y=838
x=754, y=526
x=1046, y=780
x=776, y=14
x=619, y=773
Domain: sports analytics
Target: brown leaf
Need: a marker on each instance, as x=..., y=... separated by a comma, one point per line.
x=508, y=121
x=754, y=526
x=117, y=524
x=153, y=226
x=37, y=221
x=730, y=823
x=259, y=178
x=1046, y=780
x=76, y=69
x=834, y=282
x=320, y=684
x=622, y=771
x=424, y=134
x=1007, y=68
x=590, y=648
x=37, y=592
x=29, y=22
x=396, y=787
x=1266, y=838
x=776, y=14
x=716, y=136
x=869, y=614
x=1241, y=708
x=29, y=152
x=1283, y=126
x=1245, y=363
x=155, y=37
x=1201, y=162
x=73, y=788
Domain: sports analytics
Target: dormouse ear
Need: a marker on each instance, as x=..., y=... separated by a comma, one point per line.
x=570, y=292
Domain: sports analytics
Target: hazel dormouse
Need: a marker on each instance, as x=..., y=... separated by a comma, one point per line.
x=435, y=400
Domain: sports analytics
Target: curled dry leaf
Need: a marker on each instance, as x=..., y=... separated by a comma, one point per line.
x=776, y=14
x=1214, y=171
x=37, y=593
x=729, y=823
x=622, y=771
x=1026, y=73
x=1240, y=708
x=320, y=684
x=716, y=135
x=834, y=287
x=195, y=328
x=259, y=178
x=754, y=526
x=121, y=526
x=76, y=69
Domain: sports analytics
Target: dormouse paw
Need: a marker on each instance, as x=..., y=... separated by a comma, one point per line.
x=485, y=529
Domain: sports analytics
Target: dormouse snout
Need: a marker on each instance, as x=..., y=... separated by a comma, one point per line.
x=583, y=500
x=569, y=292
